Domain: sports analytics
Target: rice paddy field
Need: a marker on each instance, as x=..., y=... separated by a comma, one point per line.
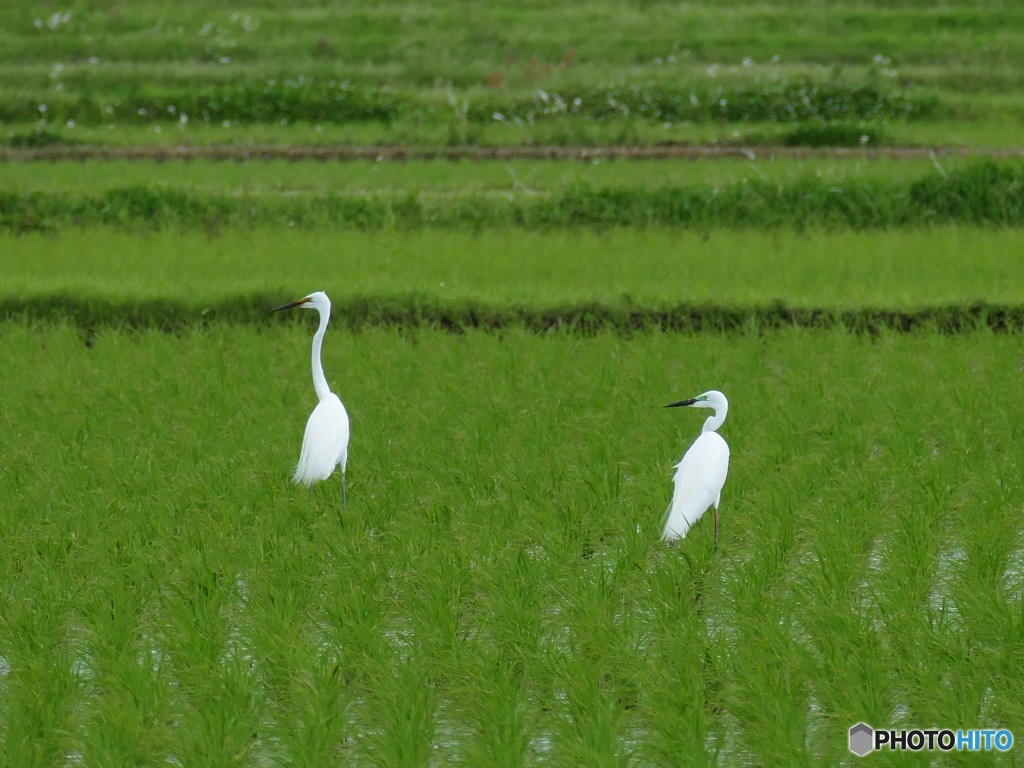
x=538, y=225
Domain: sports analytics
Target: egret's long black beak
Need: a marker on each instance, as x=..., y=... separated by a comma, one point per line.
x=294, y=304
x=691, y=401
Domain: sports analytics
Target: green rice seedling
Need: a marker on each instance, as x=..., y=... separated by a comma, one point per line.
x=496, y=591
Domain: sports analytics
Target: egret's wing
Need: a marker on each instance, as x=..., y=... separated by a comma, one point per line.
x=325, y=443
x=698, y=484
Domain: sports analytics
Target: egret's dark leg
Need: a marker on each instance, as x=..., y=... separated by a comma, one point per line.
x=311, y=494
x=344, y=492
x=716, y=529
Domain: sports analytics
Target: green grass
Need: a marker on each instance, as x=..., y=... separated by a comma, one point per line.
x=495, y=591
x=424, y=44
x=341, y=101
x=592, y=73
x=619, y=269
x=982, y=193
x=513, y=176
x=981, y=133
x=504, y=336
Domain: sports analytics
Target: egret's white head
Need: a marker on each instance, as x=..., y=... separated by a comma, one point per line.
x=711, y=399
x=316, y=300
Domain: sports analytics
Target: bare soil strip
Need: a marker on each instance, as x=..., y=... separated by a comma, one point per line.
x=400, y=153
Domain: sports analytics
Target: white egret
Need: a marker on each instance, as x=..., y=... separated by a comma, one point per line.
x=325, y=443
x=701, y=474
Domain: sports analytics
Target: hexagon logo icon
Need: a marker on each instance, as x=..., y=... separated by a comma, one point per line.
x=862, y=739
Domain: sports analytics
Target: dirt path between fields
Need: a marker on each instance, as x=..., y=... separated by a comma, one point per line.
x=395, y=153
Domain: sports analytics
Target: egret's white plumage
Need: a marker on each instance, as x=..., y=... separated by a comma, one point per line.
x=325, y=442
x=701, y=473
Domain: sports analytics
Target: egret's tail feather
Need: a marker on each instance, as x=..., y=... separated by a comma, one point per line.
x=676, y=527
x=671, y=534
x=325, y=442
x=308, y=472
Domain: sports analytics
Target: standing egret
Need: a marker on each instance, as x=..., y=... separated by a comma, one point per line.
x=701, y=474
x=325, y=443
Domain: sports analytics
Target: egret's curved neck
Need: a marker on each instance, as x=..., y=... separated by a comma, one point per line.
x=319, y=380
x=714, y=422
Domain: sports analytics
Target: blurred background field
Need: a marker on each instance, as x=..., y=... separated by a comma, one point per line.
x=776, y=72
x=538, y=223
